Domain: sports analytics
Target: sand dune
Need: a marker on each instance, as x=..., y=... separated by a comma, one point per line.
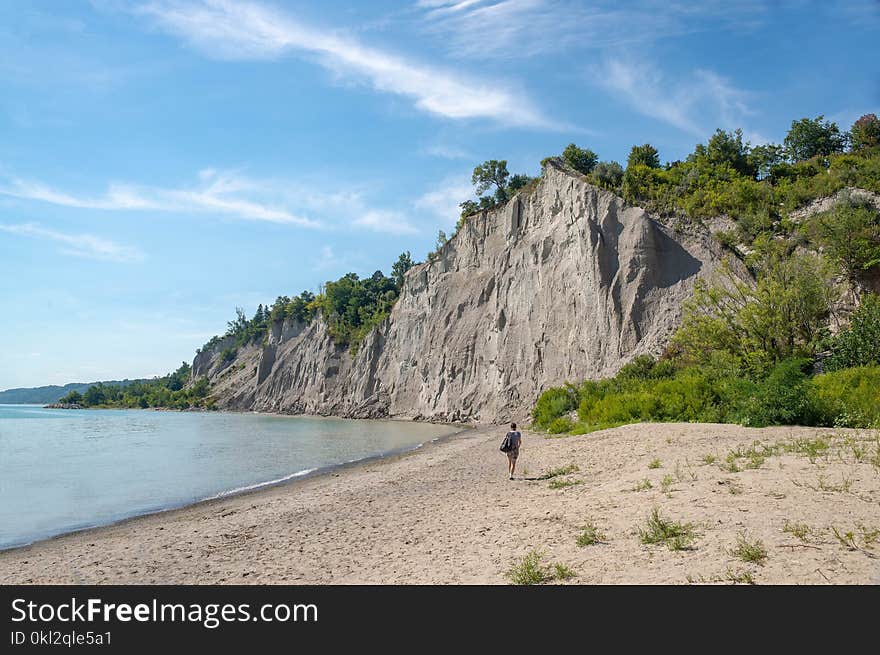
x=448, y=514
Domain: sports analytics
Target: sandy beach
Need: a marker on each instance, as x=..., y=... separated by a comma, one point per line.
x=447, y=513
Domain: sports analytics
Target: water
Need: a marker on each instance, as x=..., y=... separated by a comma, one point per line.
x=64, y=470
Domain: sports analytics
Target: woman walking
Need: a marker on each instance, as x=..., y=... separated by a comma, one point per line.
x=514, y=438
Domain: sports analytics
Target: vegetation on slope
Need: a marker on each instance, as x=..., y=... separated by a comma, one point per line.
x=758, y=351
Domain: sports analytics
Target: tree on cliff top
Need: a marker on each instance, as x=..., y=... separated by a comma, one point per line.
x=645, y=155
x=583, y=160
x=400, y=267
x=865, y=132
x=813, y=137
x=492, y=172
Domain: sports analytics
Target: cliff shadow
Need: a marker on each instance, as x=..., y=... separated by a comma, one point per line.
x=674, y=262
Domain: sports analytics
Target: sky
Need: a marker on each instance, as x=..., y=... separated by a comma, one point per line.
x=164, y=161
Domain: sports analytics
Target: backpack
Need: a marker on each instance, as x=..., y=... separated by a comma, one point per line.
x=505, y=445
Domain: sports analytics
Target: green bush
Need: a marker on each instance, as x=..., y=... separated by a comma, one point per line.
x=781, y=398
x=720, y=392
x=554, y=403
x=859, y=343
x=560, y=425
x=846, y=398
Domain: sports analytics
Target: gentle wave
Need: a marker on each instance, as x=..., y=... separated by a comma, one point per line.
x=268, y=483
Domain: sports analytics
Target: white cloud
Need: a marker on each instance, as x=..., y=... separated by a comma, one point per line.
x=695, y=105
x=248, y=30
x=77, y=245
x=218, y=193
x=381, y=220
x=447, y=152
x=443, y=202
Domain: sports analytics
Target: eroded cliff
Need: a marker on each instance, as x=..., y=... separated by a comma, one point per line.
x=563, y=283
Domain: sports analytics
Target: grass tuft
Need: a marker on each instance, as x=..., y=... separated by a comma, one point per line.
x=800, y=531
x=562, y=572
x=644, y=485
x=749, y=551
x=563, y=470
x=674, y=535
x=590, y=535
x=740, y=577
x=562, y=484
x=531, y=570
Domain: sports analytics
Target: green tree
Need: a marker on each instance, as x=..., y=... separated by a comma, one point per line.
x=239, y=325
x=517, y=182
x=73, y=398
x=727, y=148
x=850, y=235
x=865, y=132
x=400, y=267
x=809, y=138
x=781, y=316
x=492, y=172
x=763, y=158
x=859, y=343
x=95, y=395
x=580, y=159
x=608, y=174
x=644, y=155
x=469, y=207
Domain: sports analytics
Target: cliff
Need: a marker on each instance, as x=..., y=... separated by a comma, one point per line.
x=565, y=282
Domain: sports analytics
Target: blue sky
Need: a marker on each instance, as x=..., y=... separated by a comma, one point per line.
x=162, y=161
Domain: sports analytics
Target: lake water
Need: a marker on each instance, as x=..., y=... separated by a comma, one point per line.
x=64, y=470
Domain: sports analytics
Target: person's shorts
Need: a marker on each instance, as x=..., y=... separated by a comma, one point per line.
x=513, y=454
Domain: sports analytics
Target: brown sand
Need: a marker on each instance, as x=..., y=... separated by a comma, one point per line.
x=448, y=514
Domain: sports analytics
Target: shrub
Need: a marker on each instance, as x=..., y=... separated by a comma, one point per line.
x=846, y=398
x=859, y=343
x=560, y=425
x=780, y=398
x=554, y=403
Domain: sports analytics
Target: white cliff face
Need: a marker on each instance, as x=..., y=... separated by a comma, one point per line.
x=562, y=284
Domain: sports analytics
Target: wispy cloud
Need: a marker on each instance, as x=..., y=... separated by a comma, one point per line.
x=77, y=245
x=233, y=194
x=445, y=151
x=697, y=104
x=381, y=220
x=248, y=30
x=219, y=193
x=443, y=202
x=523, y=28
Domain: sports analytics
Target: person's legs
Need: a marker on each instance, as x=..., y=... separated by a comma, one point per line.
x=512, y=465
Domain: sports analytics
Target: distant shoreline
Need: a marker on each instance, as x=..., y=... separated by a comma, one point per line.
x=400, y=419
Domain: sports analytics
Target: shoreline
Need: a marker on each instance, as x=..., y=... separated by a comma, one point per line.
x=446, y=513
x=291, y=479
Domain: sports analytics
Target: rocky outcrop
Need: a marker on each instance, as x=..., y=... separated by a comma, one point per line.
x=563, y=283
